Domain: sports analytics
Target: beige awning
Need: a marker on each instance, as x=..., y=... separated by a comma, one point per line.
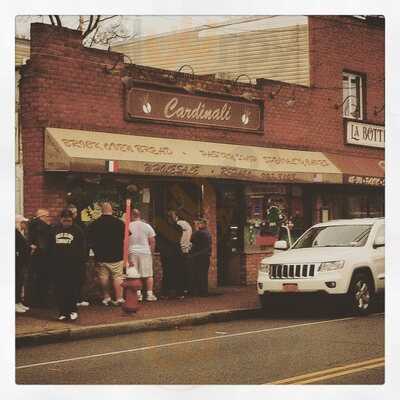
x=360, y=170
x=77, y=150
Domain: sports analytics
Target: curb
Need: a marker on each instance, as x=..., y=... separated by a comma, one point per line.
x=162, y=323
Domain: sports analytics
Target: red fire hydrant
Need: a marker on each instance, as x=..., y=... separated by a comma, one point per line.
x=131, y=286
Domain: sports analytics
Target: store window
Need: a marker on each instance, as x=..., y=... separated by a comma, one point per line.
x=87, y=192
x=352, y=96
x=269, y=208
x=366, y=205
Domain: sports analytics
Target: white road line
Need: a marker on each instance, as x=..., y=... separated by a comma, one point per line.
x=182, y=342
x=113, y=353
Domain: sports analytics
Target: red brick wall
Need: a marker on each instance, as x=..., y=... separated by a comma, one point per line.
x=210, y=212
x=251, y=264
x=313, y=122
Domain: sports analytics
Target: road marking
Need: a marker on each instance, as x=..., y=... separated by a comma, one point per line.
x=348, y=372
x=266, y=330
x=332, y=372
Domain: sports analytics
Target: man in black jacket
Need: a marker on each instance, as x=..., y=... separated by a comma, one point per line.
x=81, y=296
x=200, y=257
x=68, y=251
x=42, y=277
x=106, y=237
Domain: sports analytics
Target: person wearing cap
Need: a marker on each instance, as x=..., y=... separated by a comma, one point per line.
x=82, y=300
x=21, y=262
x=68, y=252
x=200, y=257
x=42, y=277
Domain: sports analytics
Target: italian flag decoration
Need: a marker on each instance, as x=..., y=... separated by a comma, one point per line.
x=112, y=166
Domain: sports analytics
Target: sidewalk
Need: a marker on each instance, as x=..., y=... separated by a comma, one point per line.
x=40, y=325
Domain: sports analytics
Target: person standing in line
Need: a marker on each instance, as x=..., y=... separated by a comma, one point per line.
x=106, y=238
x=200, y=257
x=68, y=251
x=186, y=245
x=141, y=246
x=21, y=262
x=42, y=274
x=176, y=261
x=82, y=300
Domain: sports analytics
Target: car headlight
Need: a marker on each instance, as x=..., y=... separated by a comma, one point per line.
x=264, y=268
x=331, y=266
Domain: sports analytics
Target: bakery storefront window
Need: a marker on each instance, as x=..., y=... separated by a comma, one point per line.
x=89, y=191
x=269, y=207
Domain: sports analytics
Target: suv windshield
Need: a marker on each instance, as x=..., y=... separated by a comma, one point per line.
x=334, y=236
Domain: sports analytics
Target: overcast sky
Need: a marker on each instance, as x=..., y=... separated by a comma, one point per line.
x=141, y=25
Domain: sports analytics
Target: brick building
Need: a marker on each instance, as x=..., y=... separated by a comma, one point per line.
x=97, y=127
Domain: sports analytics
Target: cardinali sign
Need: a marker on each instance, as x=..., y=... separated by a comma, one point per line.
x=191, y=109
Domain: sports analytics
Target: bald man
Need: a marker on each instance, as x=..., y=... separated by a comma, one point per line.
x=106, y=238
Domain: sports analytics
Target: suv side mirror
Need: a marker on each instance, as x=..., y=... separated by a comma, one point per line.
x=379, y=242
x=281, y=245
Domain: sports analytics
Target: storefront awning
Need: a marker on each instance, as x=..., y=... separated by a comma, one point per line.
x=360, y=171
x=77, y=150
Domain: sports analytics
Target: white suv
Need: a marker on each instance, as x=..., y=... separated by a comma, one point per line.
x=342, y=257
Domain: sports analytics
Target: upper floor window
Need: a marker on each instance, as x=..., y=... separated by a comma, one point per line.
x=352, y=96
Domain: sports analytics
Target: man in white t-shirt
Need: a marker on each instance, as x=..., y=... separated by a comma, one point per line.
x=141, y=246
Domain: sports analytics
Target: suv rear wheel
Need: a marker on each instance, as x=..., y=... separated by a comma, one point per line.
x=361, y=293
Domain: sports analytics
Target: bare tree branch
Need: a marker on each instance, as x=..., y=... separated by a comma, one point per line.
x=58, y=19
x=93, y=27
x=94, y=37
x=90, y=23
x=106, y=18
x=52, y=20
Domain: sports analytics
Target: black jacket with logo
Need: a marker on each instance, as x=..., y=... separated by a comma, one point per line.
x=68, y=245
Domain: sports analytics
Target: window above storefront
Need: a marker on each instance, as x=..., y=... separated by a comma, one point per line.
x=352, y=96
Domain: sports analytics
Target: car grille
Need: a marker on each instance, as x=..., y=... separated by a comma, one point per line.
x=291, y=271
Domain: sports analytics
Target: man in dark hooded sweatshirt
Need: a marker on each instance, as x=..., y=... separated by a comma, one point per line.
x=68, y=251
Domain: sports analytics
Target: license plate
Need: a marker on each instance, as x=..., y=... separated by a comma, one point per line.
x=290, y=287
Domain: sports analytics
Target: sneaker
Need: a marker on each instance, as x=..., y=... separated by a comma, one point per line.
x=62, y=318
x=139, y=295
x=73, y=316
x=23, y=306
x=118, y=302
x=151, y=297
x=106, y=302
x=180, y=297
x=83, y=304
x=19, y=309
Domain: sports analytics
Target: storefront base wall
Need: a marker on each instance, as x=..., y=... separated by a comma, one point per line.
x=251, y=264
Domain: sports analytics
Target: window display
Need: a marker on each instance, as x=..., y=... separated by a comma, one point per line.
x=269, y=208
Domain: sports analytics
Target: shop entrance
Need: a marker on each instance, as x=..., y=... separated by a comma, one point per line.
x=229, y=234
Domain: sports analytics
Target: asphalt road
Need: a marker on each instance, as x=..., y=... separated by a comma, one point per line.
x=292, y=349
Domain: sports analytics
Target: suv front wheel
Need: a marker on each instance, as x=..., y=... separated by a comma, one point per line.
x=361, y=293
